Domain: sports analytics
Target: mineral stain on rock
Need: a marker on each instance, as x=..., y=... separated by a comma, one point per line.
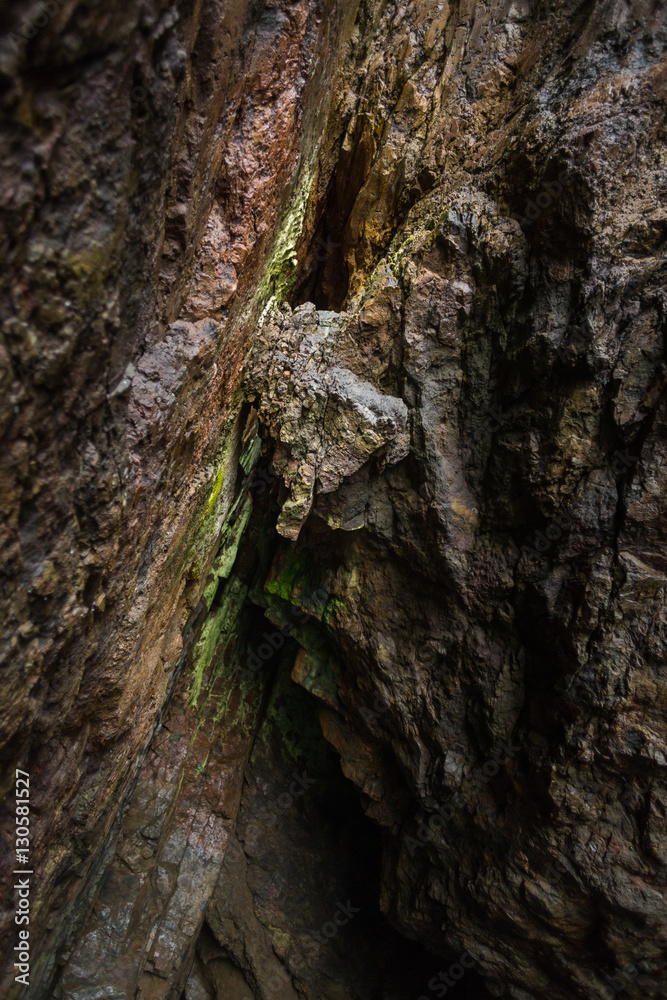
x=334, y=462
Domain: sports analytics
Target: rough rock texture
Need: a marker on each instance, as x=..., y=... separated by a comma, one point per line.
x=329, y=422
x=151, y=152
x=334, y=406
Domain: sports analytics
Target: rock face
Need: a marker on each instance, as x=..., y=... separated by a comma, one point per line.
x=334, y=569
x=328, y=421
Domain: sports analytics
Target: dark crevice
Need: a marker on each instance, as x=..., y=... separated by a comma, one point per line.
x=318, y=847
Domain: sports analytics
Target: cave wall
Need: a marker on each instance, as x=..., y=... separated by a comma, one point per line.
x=358, y=313
x=153, y=153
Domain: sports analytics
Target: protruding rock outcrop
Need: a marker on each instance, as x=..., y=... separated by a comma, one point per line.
x=326, y=421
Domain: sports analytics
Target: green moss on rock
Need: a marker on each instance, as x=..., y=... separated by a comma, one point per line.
x=220, y=622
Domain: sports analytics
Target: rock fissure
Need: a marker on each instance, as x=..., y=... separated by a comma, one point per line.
x=332, y=499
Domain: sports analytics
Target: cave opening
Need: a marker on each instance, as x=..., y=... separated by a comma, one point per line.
x=297, y=909
x=300, y=908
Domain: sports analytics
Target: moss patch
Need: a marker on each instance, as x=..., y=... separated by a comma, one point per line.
x=229, y=543
x=286, y=584
x=299, y=583
x=221, y=621
x=334, y=608
x=292, y=720
x=280, y=271
x=216, y=491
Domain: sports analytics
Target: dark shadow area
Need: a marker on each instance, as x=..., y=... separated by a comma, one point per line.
x=323, y=276
x=304, y=869
x=296, y=912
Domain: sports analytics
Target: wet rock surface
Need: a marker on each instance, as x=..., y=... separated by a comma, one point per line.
x=334, y=409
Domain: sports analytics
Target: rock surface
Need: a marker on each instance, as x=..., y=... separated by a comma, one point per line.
x=335, y=459
x=327, y=421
